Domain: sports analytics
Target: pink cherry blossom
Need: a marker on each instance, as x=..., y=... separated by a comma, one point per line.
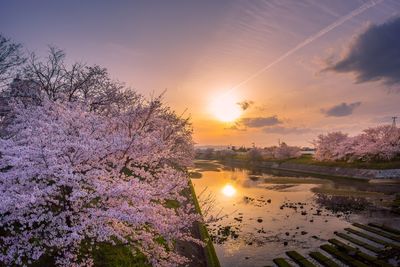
x=71, y=176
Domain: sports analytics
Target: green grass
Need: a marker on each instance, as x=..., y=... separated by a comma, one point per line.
x=118, y=256
x=308, y=159
x=212, y=258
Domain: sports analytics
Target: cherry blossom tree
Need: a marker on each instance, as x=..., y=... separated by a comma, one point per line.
x=72, y=178
x=327, y=146
x=225, y=154
x=380, y=143
x=254, y=154
x=283, y=151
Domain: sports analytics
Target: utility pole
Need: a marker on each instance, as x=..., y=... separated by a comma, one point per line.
x=394, y=121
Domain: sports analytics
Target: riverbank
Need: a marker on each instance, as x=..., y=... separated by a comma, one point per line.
x=201, y=232
x=336, y=171
x=307, y=167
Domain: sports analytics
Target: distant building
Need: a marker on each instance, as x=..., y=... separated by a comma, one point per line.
x=307, y=151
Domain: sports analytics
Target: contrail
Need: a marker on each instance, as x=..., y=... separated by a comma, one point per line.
x=312, y=38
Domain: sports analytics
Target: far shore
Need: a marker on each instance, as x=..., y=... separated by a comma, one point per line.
x=307, y=165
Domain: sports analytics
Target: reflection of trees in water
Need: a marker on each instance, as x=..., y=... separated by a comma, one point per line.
x=345, y=204
x=207, y=201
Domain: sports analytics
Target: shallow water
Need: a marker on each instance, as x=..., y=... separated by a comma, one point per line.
x=265, y=214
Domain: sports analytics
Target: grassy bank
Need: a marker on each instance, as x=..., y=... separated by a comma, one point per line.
x=212, y=259
x=309, y=160
x=380, y=165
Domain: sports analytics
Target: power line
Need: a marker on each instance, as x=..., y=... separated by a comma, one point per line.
x=394, y=121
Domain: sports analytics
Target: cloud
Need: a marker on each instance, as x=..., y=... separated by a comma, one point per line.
x=341, y=110
x=236, y=127
x=374, y=55
x=245, y=104
x=286, y=130
x=259, y=122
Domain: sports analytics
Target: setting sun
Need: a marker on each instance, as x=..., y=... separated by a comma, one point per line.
x=225, y=107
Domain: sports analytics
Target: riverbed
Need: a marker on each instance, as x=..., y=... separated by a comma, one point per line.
x=256, y=215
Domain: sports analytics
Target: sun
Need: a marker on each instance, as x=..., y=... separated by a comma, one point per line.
x=225, y=107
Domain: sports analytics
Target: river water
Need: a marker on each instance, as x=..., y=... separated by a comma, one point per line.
x=261, y=214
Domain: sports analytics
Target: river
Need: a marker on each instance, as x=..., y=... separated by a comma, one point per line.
x=261, y=214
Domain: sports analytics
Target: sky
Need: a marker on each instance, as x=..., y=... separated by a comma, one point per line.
x=244, y=71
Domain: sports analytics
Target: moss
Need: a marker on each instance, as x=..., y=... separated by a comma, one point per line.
x=385, y=228
x=377, y=232
x=212, y=258
x=358, y=242
x=281, y=262
x=321, y=258
x=299, y=259
x=371, y=238
x=343, y=257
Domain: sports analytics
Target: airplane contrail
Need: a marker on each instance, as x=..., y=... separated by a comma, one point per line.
x=312, y=38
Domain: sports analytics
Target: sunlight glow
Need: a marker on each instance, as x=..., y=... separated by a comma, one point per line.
x=228, y=190
x=225, y=107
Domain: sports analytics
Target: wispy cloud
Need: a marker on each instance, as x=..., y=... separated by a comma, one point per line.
x=245, y=104
x=259, y=122
x=286, y=130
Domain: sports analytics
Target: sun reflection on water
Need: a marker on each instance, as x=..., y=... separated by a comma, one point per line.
x=228, y=190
